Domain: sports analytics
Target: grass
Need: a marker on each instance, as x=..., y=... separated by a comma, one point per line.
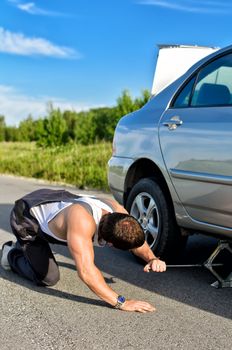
x=78, y=165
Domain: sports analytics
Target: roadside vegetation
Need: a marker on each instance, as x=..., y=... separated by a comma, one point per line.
x=84, y=166
x=66, y=147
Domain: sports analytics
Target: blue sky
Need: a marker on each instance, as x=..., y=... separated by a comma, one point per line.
x=80, y=54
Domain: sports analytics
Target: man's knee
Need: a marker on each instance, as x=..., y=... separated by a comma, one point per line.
x=49, y=282
x=53, y=275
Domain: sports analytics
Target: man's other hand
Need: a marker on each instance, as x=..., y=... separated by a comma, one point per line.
x=137, y=305
x=155, y=265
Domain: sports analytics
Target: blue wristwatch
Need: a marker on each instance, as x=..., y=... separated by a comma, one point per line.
x=120, y=301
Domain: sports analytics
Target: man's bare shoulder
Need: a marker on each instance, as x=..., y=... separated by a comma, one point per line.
x=79, y=221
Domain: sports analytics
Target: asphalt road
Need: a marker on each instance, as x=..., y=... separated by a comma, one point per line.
x=190, y=313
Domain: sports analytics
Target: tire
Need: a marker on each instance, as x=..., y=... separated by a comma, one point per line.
x=148, y=204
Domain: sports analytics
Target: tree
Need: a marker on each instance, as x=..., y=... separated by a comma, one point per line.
x=105, y=120
x=11, y=133
x=54, y=129
x=85, y=128
x=125, y=103
x=2, y=128
x=39, y=129
x=27, y=129
x=70, y=118
x=140, y=102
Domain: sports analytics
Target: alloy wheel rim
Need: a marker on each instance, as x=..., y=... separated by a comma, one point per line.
x=145, y=210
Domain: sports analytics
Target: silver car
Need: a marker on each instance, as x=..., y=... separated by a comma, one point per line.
x=172, y=160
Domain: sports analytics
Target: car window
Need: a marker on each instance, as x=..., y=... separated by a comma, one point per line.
x=214, y=84
x=183, y=99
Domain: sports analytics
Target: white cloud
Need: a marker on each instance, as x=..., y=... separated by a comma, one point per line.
x=32, y=9
x=19, y=44
x=16, y=106
x=197, y=6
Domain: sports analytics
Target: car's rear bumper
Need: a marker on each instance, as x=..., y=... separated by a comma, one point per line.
x=117, y=170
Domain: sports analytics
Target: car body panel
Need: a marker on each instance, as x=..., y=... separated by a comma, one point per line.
x=116, y=177
x=199, y=160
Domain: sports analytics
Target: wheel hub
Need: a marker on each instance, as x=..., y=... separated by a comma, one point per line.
x=144, y=209
x=143, y=221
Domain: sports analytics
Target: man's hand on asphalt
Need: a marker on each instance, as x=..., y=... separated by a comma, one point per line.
x=137, y=305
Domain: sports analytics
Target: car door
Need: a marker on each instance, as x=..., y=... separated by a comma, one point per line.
x=196, y=142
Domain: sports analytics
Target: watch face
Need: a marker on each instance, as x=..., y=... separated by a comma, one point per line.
x=121, y=299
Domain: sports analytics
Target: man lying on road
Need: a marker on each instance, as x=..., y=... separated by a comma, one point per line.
x=57, y=216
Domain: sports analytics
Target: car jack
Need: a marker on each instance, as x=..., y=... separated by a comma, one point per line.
x=221, y=282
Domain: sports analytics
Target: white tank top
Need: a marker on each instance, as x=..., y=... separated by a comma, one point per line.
x=44, y=213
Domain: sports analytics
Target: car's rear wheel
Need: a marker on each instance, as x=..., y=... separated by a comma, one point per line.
x=148, y=204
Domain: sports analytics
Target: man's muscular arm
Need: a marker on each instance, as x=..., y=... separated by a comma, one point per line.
x=80, y=230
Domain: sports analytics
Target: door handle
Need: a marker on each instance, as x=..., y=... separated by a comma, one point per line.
x=173, y=122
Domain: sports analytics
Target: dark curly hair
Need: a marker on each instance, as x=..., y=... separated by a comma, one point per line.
x=122, y=230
